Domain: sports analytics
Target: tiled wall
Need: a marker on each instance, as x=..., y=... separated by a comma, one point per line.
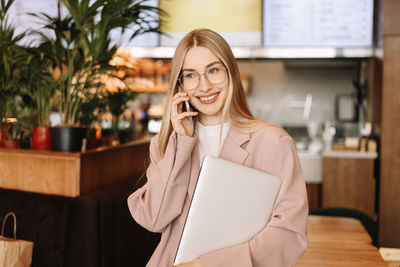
x=279, y=89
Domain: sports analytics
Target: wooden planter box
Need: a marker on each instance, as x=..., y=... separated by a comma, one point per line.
x=71, y=174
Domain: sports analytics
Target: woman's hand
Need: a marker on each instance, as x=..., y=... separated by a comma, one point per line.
x=195, y=263
x=180, y=120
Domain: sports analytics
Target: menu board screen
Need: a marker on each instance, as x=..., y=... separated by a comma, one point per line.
x=238, y=21
x=318, y=23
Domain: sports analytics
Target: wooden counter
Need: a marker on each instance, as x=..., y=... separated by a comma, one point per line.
x=339, y=241
x=70, y=174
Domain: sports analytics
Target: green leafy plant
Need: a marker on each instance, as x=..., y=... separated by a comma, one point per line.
x=79, y=46
x=11, y=60
x=89, y=111
x=22, y=126
x=15, y=107
x=38, y=83
x=117, y=103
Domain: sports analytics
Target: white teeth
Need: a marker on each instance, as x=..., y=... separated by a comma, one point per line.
x=207, y=98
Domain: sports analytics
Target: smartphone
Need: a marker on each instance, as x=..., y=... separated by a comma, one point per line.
x=187, y=108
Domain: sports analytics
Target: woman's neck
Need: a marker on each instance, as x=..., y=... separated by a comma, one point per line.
x=208, y=120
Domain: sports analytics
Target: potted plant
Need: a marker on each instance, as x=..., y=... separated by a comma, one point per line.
x=82, y=49
x=87, y=116
x=116, y=103
x=20, y=123
x=38, y=83
x=11, y=60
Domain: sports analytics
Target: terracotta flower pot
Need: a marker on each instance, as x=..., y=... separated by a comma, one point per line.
x=3, y=136
x=92, y=143
x=41, y=138
x=111, y=141
x=12, y=143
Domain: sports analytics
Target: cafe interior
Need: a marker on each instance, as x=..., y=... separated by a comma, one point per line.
x=82, y=92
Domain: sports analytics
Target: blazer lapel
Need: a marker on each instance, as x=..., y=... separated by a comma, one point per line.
x=232, y=148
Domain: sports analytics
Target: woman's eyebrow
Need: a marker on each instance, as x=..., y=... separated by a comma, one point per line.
x=213, y=63
x=209, y=65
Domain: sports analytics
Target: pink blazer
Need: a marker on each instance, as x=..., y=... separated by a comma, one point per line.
x=162, y=204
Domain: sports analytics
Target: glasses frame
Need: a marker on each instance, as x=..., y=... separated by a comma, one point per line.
x=205, y=76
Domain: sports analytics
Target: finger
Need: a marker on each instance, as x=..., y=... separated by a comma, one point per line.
x=191, y=113
x=179, y=94
x=177, y=104
x=186, y=114
x=180, y=100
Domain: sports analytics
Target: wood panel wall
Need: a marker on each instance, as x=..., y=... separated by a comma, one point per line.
x=389, y=194
x=349, y=183
x=112, y=165
x=314, y=192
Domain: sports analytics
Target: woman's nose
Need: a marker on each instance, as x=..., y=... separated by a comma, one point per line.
x=204, y=84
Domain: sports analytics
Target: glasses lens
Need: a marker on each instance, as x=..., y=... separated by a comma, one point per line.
x=189, y=80
x=216, y=74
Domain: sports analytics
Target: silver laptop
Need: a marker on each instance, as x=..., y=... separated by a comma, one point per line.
x=231, y=204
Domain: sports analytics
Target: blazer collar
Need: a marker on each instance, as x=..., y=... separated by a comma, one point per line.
x=232, y=148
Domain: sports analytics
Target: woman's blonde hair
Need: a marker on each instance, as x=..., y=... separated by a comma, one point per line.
x=235, y=108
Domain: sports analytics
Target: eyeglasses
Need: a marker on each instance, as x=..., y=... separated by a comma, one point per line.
x=215, y=74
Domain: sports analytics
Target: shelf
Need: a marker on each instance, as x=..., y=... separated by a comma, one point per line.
x=266, y=52
x=349, y=154
x=156, y=89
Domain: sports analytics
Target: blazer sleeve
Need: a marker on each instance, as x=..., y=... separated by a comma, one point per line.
x=283, y=241
x=161, y=199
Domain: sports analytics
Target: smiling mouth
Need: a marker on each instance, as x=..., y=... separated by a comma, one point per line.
x=208, y=99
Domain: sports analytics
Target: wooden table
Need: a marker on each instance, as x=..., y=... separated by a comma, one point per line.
x=339, y=241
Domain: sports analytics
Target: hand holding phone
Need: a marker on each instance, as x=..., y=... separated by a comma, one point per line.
x=181, y=114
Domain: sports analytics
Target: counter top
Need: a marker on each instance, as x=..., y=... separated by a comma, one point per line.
x=312, y=165
x=339, y=241
x=349, y=154
x=71, y=174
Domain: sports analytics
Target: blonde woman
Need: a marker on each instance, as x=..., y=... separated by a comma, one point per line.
x=205, y=74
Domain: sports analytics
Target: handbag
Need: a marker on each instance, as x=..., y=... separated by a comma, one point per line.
x=14, y=252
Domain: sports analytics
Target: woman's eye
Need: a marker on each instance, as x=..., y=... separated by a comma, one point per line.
x=213, y=70
x=189, y=75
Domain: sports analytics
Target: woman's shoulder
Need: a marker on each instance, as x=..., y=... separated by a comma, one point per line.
x=271, y=139
x=263, y=129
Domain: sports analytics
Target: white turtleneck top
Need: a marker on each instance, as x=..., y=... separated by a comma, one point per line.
x=209, y=139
